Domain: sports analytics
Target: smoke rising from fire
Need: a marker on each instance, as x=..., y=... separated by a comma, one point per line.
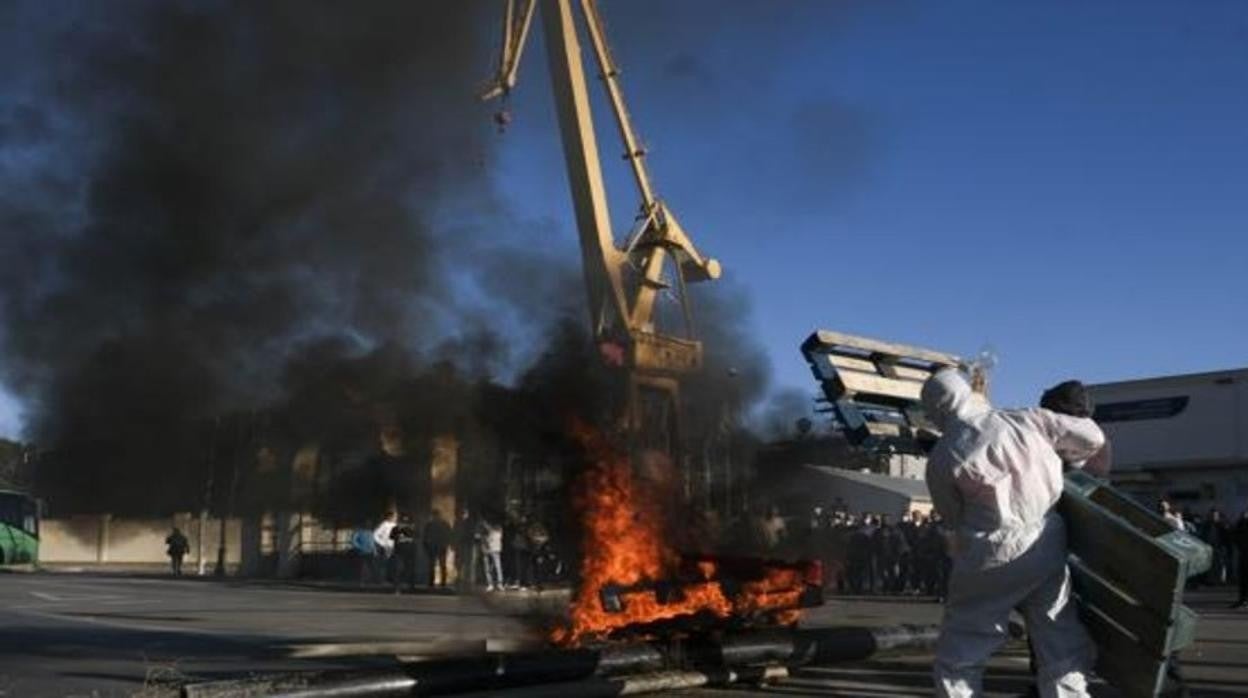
x=199, y=189
x=220, y=207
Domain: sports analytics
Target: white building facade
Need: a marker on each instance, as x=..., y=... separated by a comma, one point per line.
x=1184, y=437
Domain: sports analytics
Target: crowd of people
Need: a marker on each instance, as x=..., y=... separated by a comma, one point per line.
x=871, y=554
x=494, y=553
x=1229, y=542
x=862, y=553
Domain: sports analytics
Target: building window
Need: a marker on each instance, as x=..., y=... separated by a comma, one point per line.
x=1135, y=410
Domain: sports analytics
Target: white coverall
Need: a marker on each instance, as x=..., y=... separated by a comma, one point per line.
x=995, y=476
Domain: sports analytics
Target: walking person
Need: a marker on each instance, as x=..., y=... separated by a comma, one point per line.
x=437, y=539
x=176, y=547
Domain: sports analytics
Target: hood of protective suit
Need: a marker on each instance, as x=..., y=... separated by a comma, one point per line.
x=947, y=398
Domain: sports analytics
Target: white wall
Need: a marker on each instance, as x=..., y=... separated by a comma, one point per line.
x=1211, y=430
x=107, y=539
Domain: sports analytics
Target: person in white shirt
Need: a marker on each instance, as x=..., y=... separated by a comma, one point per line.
x=381, y=534
x=1172, y=516
x=492, y=551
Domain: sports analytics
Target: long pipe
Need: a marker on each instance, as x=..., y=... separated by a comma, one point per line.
x=442, y=676
x=552, y=668
x=638, y=684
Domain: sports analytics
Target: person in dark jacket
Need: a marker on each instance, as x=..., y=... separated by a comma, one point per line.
x=467, y=559
x=936, y=541
x=1226, y=542
x=909, y=530
x=436, y=540
x=1214, y=531
x=859, y=557
x=403, y=560
x=519, y=551
x=176, y=547
x=1240, y=537
x=895, y=552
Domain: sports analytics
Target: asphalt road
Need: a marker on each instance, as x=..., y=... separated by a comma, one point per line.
x=101, y=636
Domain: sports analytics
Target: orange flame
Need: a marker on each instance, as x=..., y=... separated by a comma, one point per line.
x=625, y=545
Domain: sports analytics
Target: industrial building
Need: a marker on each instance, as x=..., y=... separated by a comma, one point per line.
x=1184, y=437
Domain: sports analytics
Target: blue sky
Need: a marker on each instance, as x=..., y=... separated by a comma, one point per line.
x=1064, y=181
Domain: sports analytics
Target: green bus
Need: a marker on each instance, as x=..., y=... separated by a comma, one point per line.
x=19, y=528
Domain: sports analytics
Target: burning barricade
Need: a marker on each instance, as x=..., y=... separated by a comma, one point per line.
x=644, y=617
x=634, y=581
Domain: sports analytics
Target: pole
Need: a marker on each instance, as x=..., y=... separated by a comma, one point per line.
x=203, y=510
x=240, y=449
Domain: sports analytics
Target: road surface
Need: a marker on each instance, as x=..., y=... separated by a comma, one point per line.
x=100, y=636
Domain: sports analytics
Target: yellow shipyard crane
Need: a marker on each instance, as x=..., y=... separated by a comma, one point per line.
x=624, y=278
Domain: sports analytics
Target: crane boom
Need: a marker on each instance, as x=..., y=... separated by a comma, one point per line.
x=623, y=281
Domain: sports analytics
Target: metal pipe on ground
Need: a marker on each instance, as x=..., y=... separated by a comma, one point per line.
x=551, y=668
x=815, y=645
x=442, y=676
x=639, y=684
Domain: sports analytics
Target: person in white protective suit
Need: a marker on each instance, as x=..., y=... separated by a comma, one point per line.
x=995, y=476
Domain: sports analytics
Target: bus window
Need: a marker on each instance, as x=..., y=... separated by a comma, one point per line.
x=30, y=517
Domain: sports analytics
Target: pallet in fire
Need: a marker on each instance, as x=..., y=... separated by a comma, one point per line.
x=633, y=580
x=759, y=592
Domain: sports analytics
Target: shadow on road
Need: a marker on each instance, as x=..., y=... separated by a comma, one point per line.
x=107, y=644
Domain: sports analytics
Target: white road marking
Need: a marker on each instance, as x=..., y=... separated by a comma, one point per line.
x=91, y=620
x=427, y=645
x=74, y=598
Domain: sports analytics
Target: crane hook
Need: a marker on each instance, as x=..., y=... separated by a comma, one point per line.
x=502, y=117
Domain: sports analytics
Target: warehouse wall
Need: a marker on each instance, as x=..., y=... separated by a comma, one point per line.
x=106, y=539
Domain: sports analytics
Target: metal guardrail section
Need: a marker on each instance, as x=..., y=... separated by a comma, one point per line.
x=872, y=388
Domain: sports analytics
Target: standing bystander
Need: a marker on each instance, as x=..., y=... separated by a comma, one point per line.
x=1214, y=531
x=436, y=539
x=491, y=539
x=383, y=544
x=466, y=551
x=176, y=547
x=1240, y=536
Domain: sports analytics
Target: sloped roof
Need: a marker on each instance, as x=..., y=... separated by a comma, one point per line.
x=908, y=487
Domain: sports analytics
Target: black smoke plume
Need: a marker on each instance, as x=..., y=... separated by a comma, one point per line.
x=195, y=192
x=228, y=230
